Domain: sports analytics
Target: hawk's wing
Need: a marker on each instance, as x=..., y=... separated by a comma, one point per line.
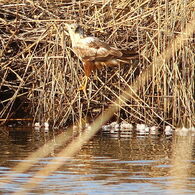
x=90, y=48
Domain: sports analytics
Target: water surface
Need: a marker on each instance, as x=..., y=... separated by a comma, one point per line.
x=135, y=164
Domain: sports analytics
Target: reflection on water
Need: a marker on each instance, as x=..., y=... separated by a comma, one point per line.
x=135, y=164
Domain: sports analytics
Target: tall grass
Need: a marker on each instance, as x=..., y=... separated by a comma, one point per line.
x=40, y=74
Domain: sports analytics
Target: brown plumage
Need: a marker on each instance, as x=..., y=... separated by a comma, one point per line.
x=92, y=52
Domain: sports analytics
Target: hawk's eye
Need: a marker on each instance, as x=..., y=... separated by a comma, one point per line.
x=79, y=30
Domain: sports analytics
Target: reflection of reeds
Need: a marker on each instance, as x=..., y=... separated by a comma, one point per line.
x=181, y=164
x=39, y=69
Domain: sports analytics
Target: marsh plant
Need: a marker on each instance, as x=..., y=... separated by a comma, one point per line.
x=40, y=75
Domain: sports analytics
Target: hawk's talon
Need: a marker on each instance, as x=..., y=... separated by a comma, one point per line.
x=84, y=85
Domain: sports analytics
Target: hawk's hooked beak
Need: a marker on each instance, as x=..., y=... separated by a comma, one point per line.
x=67, y=27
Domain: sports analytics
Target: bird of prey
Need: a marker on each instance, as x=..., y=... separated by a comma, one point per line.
x=92, y=51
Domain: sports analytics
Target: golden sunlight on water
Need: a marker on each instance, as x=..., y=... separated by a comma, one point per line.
x=108, y=164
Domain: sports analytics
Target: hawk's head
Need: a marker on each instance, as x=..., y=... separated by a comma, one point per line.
x=75, y=29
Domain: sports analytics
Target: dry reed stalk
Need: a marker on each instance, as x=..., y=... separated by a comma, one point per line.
x=76, y=144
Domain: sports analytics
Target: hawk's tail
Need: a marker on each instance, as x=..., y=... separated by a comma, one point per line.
x=127, y=56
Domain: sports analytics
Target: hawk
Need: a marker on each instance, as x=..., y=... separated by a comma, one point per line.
x=92, y=51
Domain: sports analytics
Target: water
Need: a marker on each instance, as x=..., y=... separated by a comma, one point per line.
x=135, y=164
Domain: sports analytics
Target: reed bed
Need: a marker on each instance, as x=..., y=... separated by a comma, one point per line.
x=40, y=74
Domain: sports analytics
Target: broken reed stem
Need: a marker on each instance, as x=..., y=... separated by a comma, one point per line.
x=16, y=119
x=77, y=143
